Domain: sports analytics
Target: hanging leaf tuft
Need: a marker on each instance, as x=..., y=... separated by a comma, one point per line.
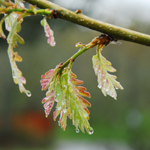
x=16, y=73
x=67, y=92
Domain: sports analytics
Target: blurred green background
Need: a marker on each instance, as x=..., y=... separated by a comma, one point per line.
x=118, y=125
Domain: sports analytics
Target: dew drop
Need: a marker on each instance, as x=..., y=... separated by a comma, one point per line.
x=65, y=86
x=59, y=108
x=28, y=93
x=91, y=130
x=96, y=70
x=77, y=130
x=104, y=80
x=85, y=115
x=14, y=76
x=107, y=89
x=63, y=103
x=65, y=110
x=99, y=86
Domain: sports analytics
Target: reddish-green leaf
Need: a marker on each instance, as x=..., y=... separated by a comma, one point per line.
x=64, y=90
x=46, y=79
x=48, y=32
x=48, y=102
x=106, y=81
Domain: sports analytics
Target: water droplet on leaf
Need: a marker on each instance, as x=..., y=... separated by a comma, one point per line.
x=104, y=80
x=65, y=110
x=96, y=70
x=77, y=130
x=99, y=86
x=28, y=93
x=85, y=115
x=63, y=103
x=59, y=108
x=107, y=89
x=91, y=131
x=65, y=86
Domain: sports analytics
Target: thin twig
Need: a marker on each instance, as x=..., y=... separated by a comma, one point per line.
x=117, y=32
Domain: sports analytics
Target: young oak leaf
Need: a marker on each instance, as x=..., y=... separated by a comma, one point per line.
x=106, y=82
x=9, y=21
x=48, y=32
x=71, y=103
x=65, y=90
x=47, y=82
x=13, y=37
x=16, y=73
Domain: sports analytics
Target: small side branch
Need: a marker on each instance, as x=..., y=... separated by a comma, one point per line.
x=117, y=32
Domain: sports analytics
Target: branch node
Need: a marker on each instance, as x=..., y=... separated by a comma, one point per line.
x=78, y=11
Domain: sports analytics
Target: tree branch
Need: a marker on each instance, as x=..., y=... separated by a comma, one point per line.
x=116, y=32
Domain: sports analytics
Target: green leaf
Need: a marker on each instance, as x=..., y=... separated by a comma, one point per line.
x=10, y=20
x=64, y=89
x=16, y=73
x=106, y=82
x=13, y=37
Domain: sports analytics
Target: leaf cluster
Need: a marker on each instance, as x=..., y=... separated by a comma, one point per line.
x=65, y=90
x=61, y=83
